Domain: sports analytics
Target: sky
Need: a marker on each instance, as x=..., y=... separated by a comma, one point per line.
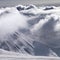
x=4, y=3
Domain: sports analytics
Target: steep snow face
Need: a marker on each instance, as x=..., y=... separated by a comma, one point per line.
x=30, y=30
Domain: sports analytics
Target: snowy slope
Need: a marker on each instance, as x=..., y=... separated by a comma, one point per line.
x=30, y=30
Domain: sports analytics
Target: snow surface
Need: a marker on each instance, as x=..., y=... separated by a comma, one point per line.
x=30, y=30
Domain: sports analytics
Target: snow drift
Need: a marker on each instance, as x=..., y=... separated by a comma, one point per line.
x=30, y=30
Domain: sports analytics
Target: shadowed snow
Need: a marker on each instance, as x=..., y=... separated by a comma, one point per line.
x=30, y=30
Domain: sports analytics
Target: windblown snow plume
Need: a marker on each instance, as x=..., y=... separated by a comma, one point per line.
x=30, y=30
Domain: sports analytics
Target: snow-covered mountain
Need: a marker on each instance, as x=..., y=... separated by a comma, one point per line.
x=30, y=30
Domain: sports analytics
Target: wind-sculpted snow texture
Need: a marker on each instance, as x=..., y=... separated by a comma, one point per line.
x=30, y=30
